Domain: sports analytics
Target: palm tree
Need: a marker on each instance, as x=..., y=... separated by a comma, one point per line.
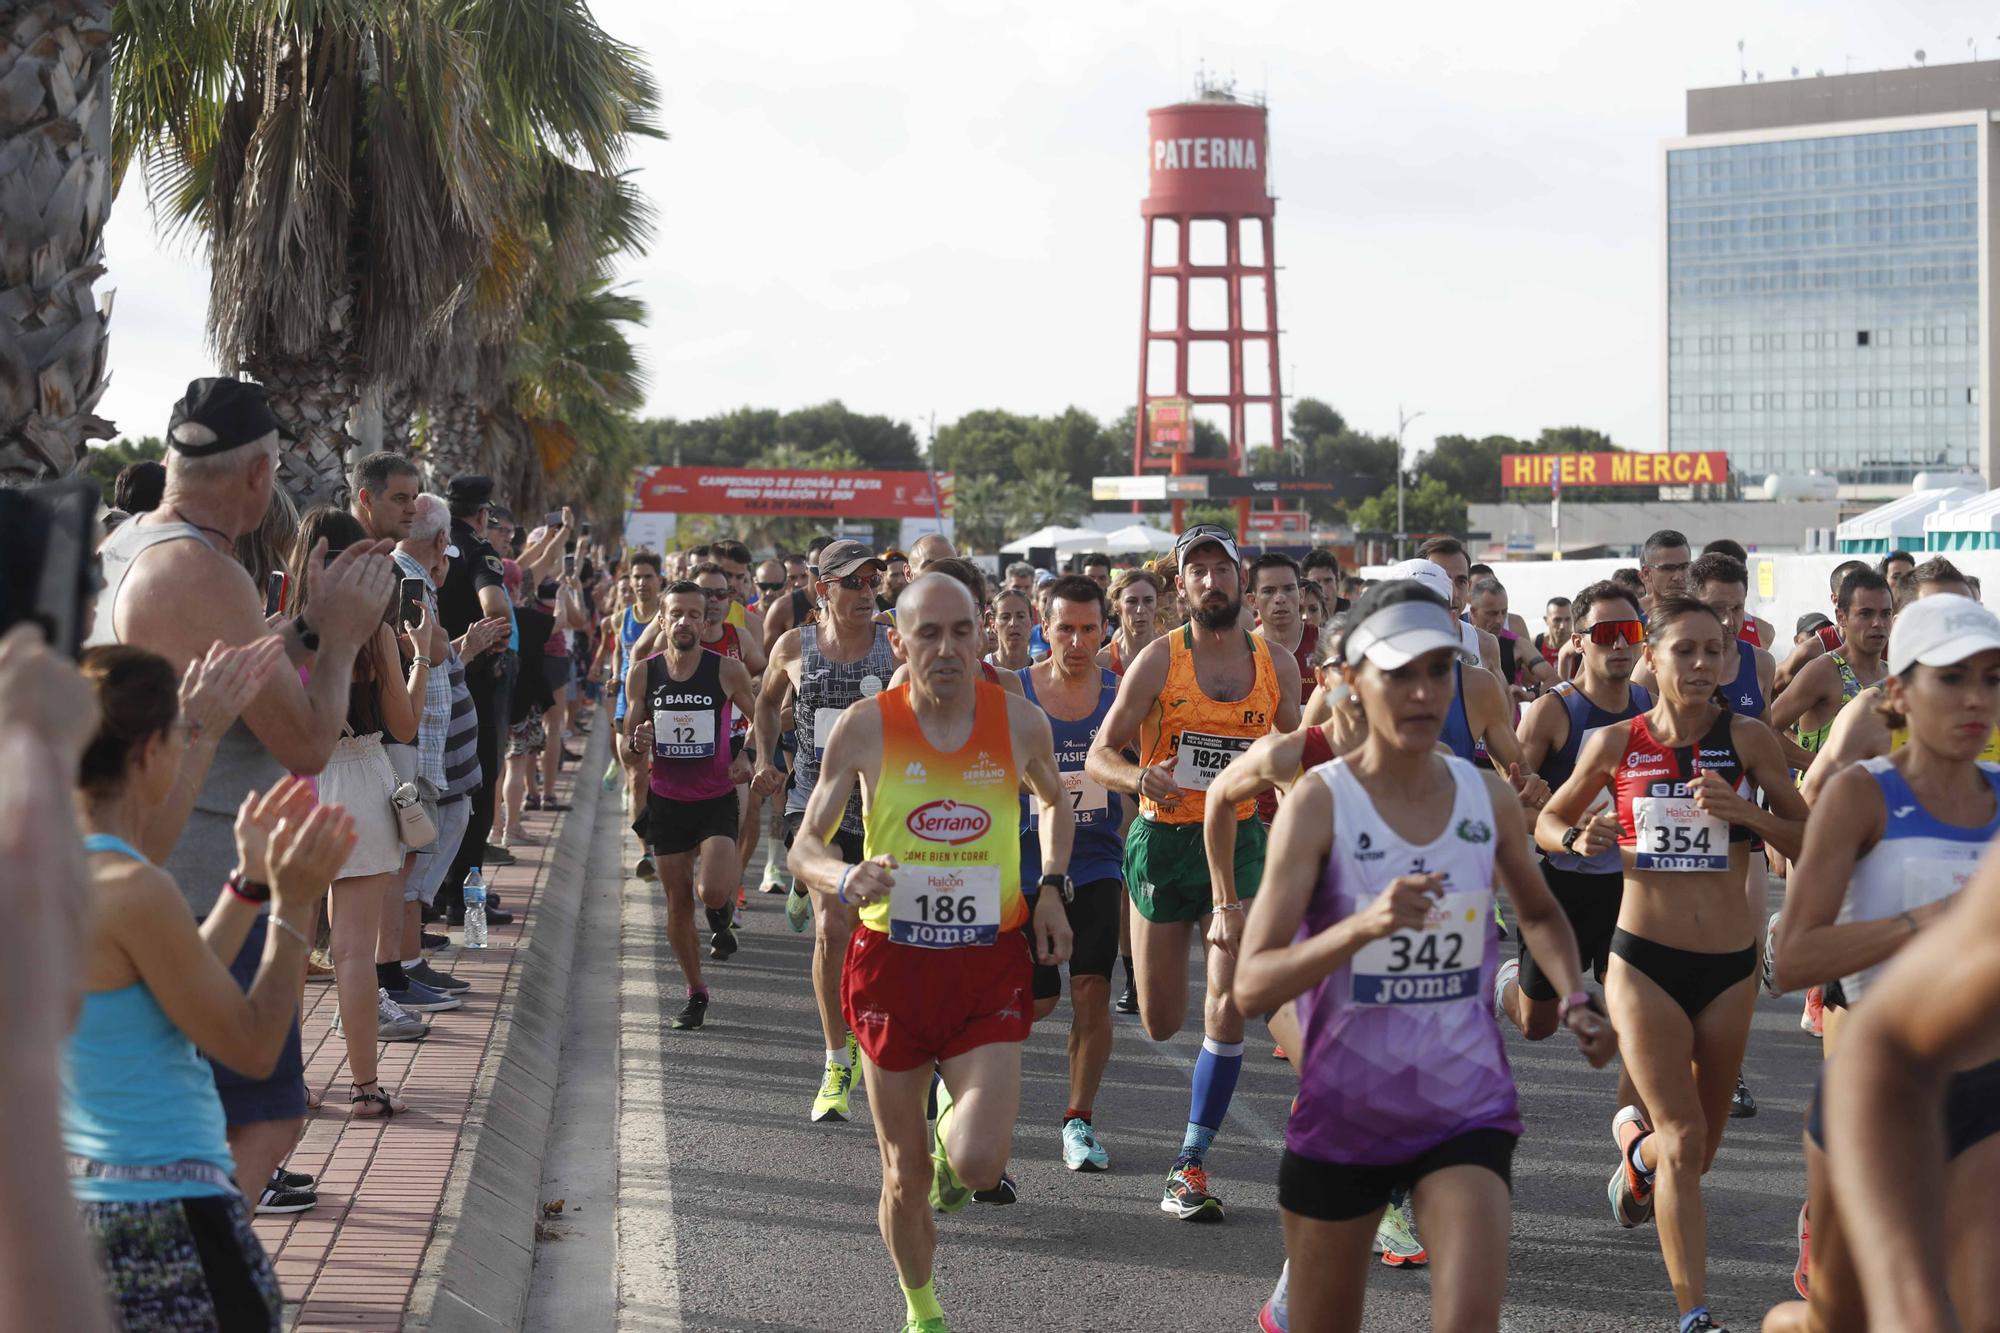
x=55, y=190
x=357, y=170
x=1047, y=497
x=979, y=507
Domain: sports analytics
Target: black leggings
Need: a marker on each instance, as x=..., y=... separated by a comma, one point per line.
x=1694, y=980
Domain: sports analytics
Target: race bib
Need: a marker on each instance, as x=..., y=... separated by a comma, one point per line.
x=683, y=735
x=823, y=720
x=945, y=907
x=1929, y=879
x=1435, y=963
x=1203, y=755
x=1674, y=834
x=1088, y=800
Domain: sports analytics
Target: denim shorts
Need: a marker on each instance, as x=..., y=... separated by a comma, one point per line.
x=281, y=1096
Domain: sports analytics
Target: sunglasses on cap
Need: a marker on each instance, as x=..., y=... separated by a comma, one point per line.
x=1607, y=632
x=856, y=582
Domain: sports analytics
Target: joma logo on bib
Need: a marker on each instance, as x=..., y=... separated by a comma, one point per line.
x=948, y=822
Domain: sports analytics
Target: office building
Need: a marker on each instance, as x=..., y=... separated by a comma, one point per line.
x=1829, y=269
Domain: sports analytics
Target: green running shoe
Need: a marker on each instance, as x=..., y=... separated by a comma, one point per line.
x=1396, y=1238
x=798, y=909
x=1081, y=1150
x=831, y=1101
x=925, y=1326
x=948, y=1192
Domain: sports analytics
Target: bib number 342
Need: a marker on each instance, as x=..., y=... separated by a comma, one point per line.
x=945, y=907
x=1434, y=963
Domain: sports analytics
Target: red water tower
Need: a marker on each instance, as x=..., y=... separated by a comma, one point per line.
x=1208, y=328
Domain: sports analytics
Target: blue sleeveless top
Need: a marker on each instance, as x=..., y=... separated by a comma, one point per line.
x=1099, y=851
x=630, y=627
x=1744, y=696
x=136, y=1092
x=1585, y=717
x=1457, y=733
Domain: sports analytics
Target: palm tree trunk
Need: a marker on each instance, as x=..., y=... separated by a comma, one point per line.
x=454, y=438
x=55, y=190
x=313, y=395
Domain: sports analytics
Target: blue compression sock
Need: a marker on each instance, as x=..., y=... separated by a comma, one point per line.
x=1215, y=1071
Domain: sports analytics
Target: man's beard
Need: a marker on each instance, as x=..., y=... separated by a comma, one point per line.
x=1218, y=617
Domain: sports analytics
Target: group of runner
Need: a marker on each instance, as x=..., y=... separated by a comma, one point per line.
x=985, y=783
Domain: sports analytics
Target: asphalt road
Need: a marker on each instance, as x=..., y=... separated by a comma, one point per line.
x=701, y=1190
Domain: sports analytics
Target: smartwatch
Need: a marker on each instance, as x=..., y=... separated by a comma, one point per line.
x=308, y=640
x=1582, y=999
x=1570, y=836
x=1061, y=884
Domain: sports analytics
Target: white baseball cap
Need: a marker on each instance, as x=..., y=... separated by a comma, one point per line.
x=1941, y=630
x=1401, y=632
x=1431, y=575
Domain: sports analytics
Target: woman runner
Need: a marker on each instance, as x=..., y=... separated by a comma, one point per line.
x=1891, y=841
x=1681, y=982
x=1387, y=858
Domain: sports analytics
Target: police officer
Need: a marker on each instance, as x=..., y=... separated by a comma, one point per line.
x=474, y=589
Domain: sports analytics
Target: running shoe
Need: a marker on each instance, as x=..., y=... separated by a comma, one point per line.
x=1187, y=1196
x=1278, y=1053
x=1128, y=999
x=1813, y=1018
x=644, y=869
x=774, y=878
x=798, y=909
x=948, y=1192
x=1800, y=1276
x=1396, y=1238
x=424, y=974
x=1508, y=972
x=1700, y=1321
x=1631, y=1198
x=722, y=944
x=291, y=1180
x=830, y=1103
x=417, y=998
x=1771, y=958
x=392, y=1021
x=1081, y=1150
x=1006, y=1191
x=691, y=1015
x=279, y=1199
x=1741, y=1104
x=1275, y=1316
x=925, y=1326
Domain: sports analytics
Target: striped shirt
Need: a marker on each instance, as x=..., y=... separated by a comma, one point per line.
x=461, y=744
x=436, y=720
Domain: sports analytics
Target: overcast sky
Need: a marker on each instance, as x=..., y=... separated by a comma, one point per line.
x=933, y=207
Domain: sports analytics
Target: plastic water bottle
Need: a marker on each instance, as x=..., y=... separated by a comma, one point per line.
x=475, y=909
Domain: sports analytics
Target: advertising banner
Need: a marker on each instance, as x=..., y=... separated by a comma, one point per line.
x=1547, y=471
x=798, y=493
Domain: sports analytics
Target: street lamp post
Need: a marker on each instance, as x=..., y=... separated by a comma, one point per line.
x=1402, y=424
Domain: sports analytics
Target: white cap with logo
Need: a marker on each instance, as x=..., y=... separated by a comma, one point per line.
x=1426, y=572
x=1401, y=632
x=1941, y=630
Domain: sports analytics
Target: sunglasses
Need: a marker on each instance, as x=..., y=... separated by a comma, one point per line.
x=1607, y=632
x=856, y=582
x=770, y=587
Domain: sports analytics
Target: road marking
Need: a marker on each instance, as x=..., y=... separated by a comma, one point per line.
x=649, y=1290
x=1177, y=1053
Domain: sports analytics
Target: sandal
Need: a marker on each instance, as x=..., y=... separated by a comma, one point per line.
x=383, y=1105
x=314, y=1099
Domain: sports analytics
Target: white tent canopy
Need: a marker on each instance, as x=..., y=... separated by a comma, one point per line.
x=1880, y=528
x=1974, y=525
x=1058, y=536
x=1136, y=539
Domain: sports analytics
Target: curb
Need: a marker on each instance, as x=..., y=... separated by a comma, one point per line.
x=477, y=1266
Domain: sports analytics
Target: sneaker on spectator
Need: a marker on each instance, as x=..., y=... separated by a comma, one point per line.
x=426, y=975
x=432, y=943
x=395, y=1023
x=498, y=856
x=279, y=1199
x=417, y=998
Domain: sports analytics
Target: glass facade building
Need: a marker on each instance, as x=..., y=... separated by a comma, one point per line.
x=1823, y=299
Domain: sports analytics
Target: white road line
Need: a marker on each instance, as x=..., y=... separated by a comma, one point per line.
x=649, y=1290
x=1179, y=1051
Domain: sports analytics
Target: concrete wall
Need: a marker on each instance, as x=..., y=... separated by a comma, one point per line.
x=1876, y=95
x=1768, y=525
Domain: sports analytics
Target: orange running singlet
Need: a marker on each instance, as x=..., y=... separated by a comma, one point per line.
x=1201, y=735
x=953, y=823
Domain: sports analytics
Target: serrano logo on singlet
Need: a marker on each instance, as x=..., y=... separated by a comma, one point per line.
x=948, y=822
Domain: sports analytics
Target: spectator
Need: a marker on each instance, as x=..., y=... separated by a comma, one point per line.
x=562, y=599
x=474, y=590
x=386, y=486
x=382, y=706
x=447, y=739
x=173, y=584
x=527, y=738
x=143, y=1123
x=48, y=1278
x=139, y=487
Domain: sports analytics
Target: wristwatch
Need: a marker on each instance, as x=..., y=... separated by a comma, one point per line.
x=1061, y=884
x=1582, y=999
x=308, y=640
x=1570, y=835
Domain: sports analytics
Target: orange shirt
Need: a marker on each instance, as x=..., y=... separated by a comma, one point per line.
x=1201, y=735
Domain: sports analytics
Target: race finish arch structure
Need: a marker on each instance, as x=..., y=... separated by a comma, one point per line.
x=661, y=494
x=1208, y=323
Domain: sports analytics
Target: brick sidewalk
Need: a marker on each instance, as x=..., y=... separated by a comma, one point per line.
x=350, y=1263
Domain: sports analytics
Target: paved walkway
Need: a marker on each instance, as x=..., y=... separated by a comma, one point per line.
x=351, y=1262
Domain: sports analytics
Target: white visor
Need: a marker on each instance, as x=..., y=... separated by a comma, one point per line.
x=1397, y=635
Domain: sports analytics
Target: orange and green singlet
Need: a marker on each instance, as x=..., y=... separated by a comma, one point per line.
x=1201, y=735
x=953, y=823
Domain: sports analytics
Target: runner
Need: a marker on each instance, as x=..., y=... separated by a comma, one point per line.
x=1860, y=732
x=1375, y=915
x=939, y=974
x=1135, y=595
x=1449, y=555
x=1589, y=888
x=1681, y=982
x=1756, y=631
x=642, y=578
x=1076, y=693
x=826, y=666
x=1890, y=843
x=678, y=708
x=1525, y=674
x=1013, y=617
x=1815, y=696
x=1312, y=605
x=1556, y=620
x=798, y=606
x=1894, y=1108
x=1192, y=701
x=1274, y=592
x=1827, y=637
x=1322, y=569
x=1480, y=725
x=1663, y=567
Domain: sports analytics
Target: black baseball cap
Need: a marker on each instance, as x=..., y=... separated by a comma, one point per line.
x=234, y=412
